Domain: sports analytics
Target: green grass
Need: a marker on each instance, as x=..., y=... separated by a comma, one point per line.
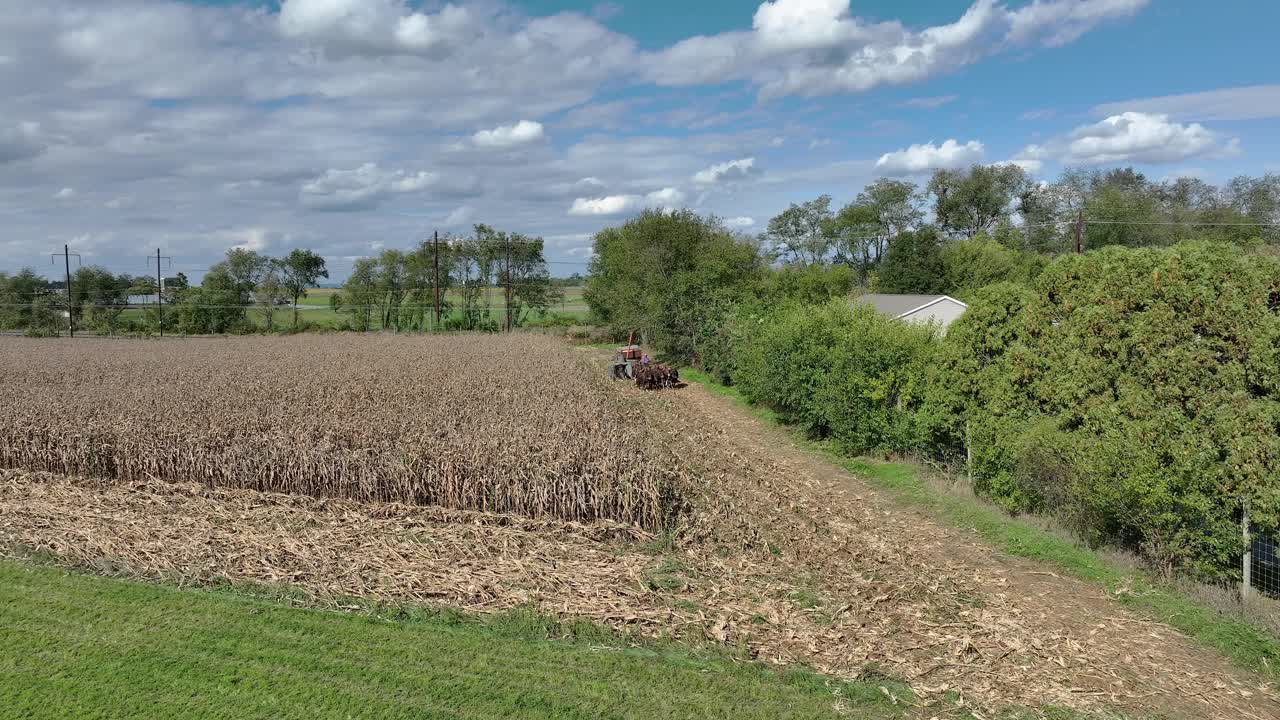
x=322, y=316
x=1247, y=646
x=573, y=302
x=81, y=646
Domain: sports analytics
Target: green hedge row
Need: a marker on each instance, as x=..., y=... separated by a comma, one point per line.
x=1135, y=393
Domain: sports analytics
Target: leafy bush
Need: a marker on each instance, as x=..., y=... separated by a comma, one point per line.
x=972, y=264
x=1133, y=391
x=913, y=264
x=839, y=372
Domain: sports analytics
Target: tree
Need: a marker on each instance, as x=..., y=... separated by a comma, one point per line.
x=227, y=290
x=913, y=264
x=244, y=269
x=421, y=267
x=391, y=287
x=854, y=233
x=663, y=272
x=1120, y=208
x=530, y=280
x=358, y=294
x=470, y=257
x=862, y=230
x=271, y=292
x=972, y=264
x=300, y=270
x=99, y=296
x=801, y=231
x=18, y=294
x=968, y=202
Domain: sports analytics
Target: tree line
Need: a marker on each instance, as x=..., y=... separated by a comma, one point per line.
x=398, y=289
x=883, y=234
x=395, y=290
x=1129, y=390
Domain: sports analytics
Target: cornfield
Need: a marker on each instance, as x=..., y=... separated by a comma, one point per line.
x=495, y=424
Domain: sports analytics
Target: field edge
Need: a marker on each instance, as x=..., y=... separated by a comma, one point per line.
x=1246, y=645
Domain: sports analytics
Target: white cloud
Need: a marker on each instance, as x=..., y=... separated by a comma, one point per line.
x=816, y=47
x=20, y=142
x=65, y=193
x=1058, y=22
x=608, y=205
x=1030, y=158
x=363, y=188
x=819, y=142
x=923, y=158
x=508, y=136
x=666, y=198
x=784, y=25
x=1138, y=137
x=599, y=115
x=254, y=239
x=588, y=184
x=740, y=222
x=373, y=27
x=929, y=103
x=726, y=172
x=460, y=217
x=777, y=141
x=1255, y=102
x=1129, y=137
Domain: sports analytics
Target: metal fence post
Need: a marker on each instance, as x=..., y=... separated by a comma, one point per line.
x=1246, y=583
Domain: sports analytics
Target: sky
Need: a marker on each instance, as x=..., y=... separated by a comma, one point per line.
x=350, y=126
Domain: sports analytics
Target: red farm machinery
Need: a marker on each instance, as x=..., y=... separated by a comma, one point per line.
x=630, y=363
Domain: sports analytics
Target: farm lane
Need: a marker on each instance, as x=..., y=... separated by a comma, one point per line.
x=1019, y=633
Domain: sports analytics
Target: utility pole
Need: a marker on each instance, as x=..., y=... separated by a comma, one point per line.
x=1079, y=231
x=435, y=252
x=160, y=286
x=508, y=283
x=66, y=258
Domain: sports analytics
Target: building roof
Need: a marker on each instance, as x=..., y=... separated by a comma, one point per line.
x=899, y=305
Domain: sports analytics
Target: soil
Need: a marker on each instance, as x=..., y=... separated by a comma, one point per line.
x=960, y=615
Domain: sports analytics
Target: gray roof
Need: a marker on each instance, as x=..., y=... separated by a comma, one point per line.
x=899, y=305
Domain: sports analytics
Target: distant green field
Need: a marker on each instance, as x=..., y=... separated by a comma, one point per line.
x=572, y=298
x=317, y=313
x=79, y=646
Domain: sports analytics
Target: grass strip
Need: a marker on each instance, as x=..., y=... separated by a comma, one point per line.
x=74, y=645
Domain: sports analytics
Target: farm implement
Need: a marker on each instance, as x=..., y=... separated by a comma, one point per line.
x=631, y=364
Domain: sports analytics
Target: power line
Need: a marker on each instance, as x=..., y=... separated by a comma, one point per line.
x=1186, y=223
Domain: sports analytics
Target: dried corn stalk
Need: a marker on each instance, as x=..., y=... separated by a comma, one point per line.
x=497, y=424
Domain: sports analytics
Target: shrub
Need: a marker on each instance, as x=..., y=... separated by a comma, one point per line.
x=840, y=372
x=1134, y=391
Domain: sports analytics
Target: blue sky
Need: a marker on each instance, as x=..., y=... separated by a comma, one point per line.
x=350, y=126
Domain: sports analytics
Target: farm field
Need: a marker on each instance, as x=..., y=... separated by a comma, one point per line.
x=445, y=421
x=498, y=473
x=318, y=311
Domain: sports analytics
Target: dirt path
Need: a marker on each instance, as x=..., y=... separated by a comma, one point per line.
x=951, y=613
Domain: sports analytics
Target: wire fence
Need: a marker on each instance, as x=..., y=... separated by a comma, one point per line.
x=1263, y=565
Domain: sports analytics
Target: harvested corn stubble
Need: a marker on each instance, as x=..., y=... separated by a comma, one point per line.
x=497, y=424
